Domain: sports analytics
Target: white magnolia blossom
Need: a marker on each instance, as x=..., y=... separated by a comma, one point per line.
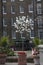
x=23, y=24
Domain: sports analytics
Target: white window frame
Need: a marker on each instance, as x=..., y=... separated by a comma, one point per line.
x=21, y=9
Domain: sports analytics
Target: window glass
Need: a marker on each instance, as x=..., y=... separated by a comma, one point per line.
x=4, y=9
x=13, y=34
x=40, y=33
x=13, y=21
x=40, y=22
x=4, y=22
x=30, y=8
x=21, y=9
x=13, y=9
x=39, y=8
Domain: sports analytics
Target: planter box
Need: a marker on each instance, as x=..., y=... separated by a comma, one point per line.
x=2, y=58
x=22, y=59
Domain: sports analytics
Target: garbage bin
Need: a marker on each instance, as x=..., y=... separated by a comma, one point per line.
x=22, y=58
x=36, y=57
x=36, y=60
x=41, y=53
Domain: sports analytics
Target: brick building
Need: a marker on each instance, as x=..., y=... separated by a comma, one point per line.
x=9, y=10
x=38, y=18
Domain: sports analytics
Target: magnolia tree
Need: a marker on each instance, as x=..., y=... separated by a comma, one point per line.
x=23, y=24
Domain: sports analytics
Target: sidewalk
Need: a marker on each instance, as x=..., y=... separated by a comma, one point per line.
x=15, y=58
x=17, y=64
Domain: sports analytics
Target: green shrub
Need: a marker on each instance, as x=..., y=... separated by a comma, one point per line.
x=36, y=41
x=4, y=46
x=41, y=41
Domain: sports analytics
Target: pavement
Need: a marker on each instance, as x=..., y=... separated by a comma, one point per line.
x=17, y=64
x=28, y=55
x=14, y=58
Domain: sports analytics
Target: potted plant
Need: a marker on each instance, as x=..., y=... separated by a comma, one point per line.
x=41, y=45
x=4, y=49
x=36, y=41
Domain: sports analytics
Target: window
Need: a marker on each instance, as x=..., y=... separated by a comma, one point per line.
x=21, y=0
x=39, y=8
x=13, y=34
x=38, y=0
x=4, y=33
x=4, y=0
x=12, y=21
x=22, y=35
x=30, y=8
x=40, y=22
x=12, y=0
x=32, y=34
x=13, y=9
x=40, y=33
x=21, y=9
x=4, y=9
x=4, y=22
